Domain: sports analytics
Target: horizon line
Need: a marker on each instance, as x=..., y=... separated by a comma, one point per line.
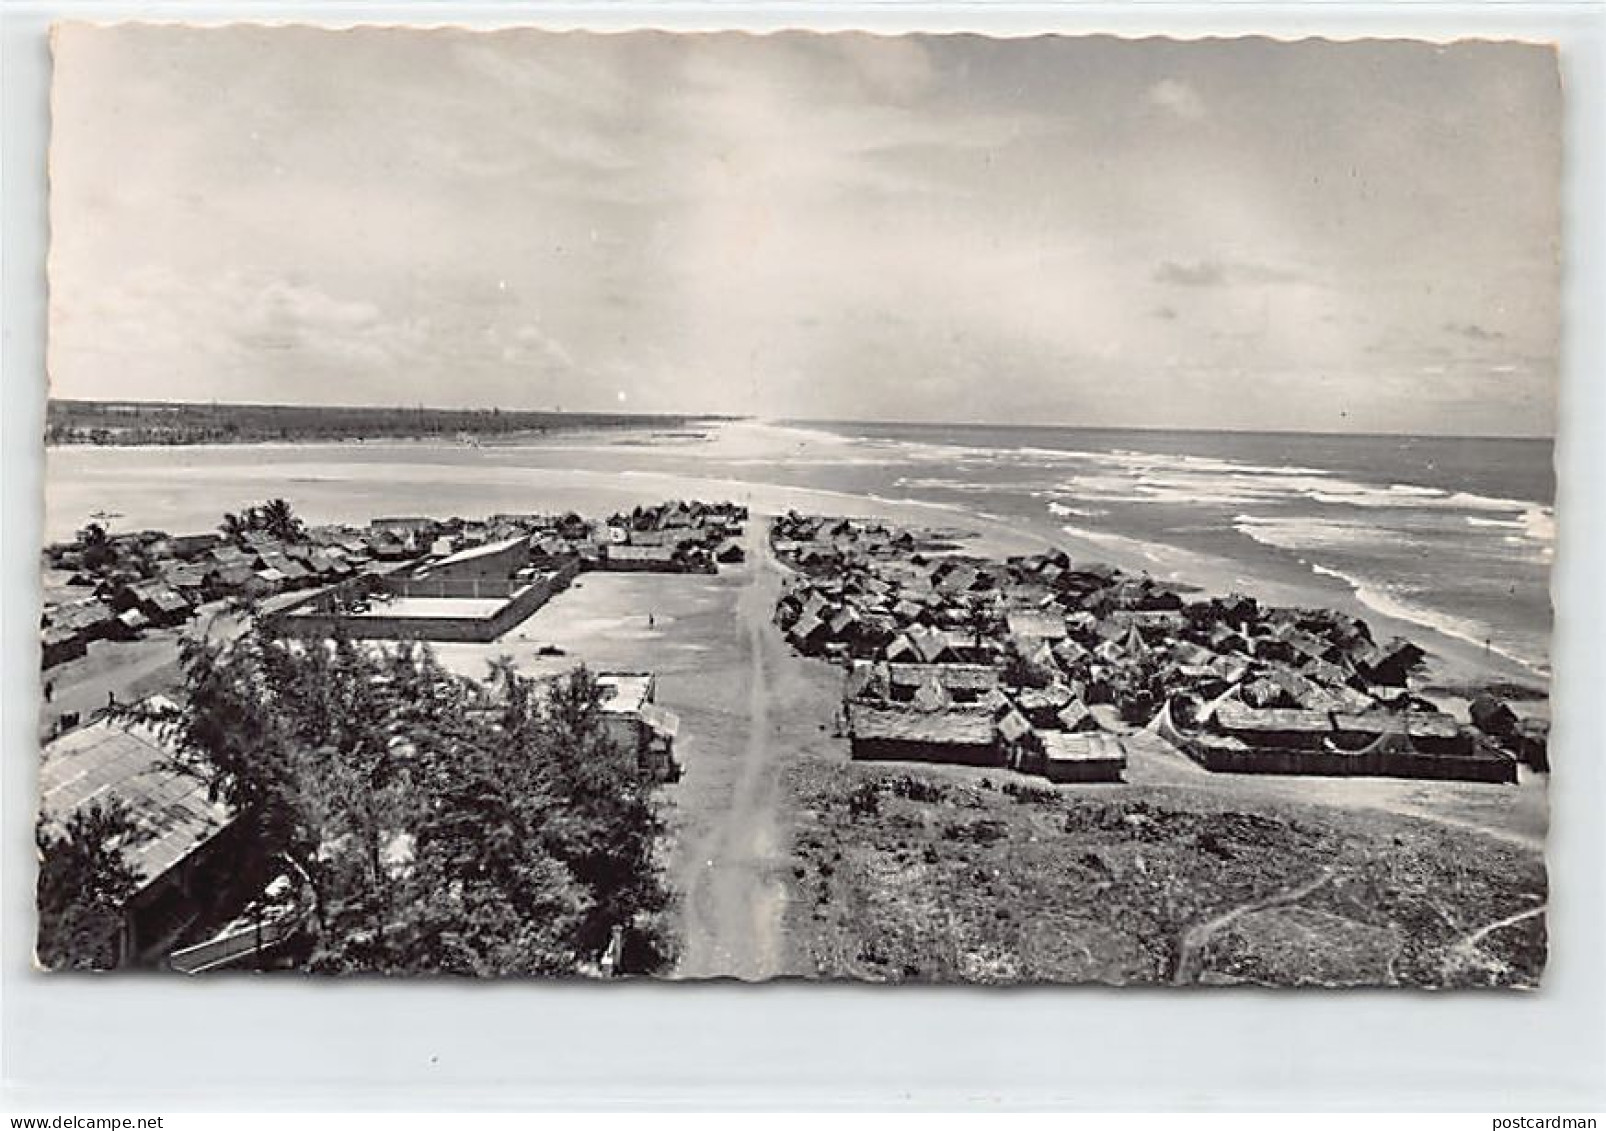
x=1548, y=436
x=797, y=420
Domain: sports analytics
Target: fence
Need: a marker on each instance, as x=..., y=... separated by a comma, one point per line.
x=322, y=615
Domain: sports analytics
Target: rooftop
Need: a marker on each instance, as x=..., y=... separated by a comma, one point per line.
x=474, y=552
x=957, y=677
x=641, y=553
x=1084, y=746
x=955, y=727
x=625, y=692
x=132, y=762
x=1235, y=716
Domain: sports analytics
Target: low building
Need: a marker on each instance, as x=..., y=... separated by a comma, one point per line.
x=58, y=645
x=155, y=600
x=494, y=561
x=131, y=622
x=180, y=855
x=1491, y=716
x=1088, y=756
x=1407, y=744
x=187, y=579
x=637, y=723
x=962, y=735
x=288, y=570
x=89, y=620
x=1035, y=624
x=641, y=559
x=963, y=683
x=430, y=607
x=410, y=525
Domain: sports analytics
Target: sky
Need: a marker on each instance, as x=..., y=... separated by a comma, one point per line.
x=1236, y=234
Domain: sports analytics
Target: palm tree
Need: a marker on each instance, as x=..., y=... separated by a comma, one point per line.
x=98, y=549
x=983, y=621
x=279, y=520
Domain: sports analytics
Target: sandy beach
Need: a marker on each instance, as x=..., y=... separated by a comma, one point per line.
x=763, y=465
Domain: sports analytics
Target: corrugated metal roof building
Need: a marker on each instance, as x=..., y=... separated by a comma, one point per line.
x=177, y=824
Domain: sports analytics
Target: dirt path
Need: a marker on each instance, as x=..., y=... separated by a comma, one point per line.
x=1487, y=929
x=1196, y=936
x=1464, y=951
x=736, y=900
x=131, y=670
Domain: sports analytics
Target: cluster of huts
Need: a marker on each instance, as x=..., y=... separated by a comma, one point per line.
x=680, y=536
x=150, y=579
x=1042, y=663
x=675, y=537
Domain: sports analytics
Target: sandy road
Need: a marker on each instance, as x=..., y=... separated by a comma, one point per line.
x=133, y=669
x=736, y=898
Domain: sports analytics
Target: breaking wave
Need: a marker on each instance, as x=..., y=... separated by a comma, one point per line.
x=1381, y=600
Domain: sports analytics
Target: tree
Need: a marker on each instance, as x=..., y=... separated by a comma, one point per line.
x=84, y=881
x=275, y=517
x=983, y=621
x=604, y=825
x=432, y=841
x=99, y=553
x=278, y=519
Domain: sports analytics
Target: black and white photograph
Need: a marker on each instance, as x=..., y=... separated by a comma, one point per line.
x=889, y=508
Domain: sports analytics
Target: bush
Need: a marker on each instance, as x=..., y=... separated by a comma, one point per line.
x=917, y=789
x=1028, y=794
x=865, y=800
x=983, y=831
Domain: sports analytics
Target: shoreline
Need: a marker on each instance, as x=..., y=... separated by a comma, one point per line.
x=1454, y=662
x=509, y=487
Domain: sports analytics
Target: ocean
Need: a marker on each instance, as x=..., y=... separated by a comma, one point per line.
x=1454, y=534
x=1451, y=535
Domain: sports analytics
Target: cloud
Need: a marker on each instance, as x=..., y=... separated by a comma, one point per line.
x=1222, y=273
x=1204, y=273
x=795, y=224
x=898, y=69
x=1263, y=273
x=1178, y=99
x=1474, y=332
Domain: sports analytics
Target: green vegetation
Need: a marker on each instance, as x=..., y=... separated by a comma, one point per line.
x=275, y=518
x=100, y=555
x=437, y=831
x=84, y=879
x=155, y=422
x=920, y=875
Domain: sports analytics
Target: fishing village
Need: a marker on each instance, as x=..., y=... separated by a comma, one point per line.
x=884, y=659
x=1040, y=664
x=736, y=559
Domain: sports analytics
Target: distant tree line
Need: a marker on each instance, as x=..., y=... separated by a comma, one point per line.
x=147, y=423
